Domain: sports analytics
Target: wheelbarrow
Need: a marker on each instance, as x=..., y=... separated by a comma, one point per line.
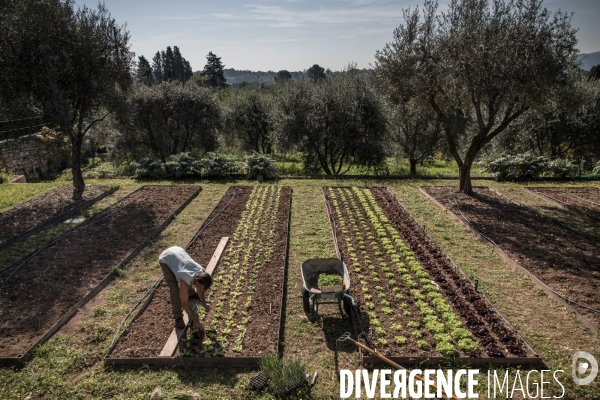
x=313, y=295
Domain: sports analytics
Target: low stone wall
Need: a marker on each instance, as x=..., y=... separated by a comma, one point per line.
x=34, y=155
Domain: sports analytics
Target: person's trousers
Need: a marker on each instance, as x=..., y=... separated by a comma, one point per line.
x=174, y=290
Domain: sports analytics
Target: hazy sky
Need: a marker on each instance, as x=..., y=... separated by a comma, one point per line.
x=293, y=35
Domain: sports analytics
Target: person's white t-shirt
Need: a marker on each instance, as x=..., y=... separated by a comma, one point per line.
x=180, y=262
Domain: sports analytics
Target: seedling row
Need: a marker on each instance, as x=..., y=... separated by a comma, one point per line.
x=412, y=305
x=247, y=292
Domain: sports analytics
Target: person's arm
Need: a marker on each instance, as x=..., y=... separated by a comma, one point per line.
x=183, y=295
x=202, y=298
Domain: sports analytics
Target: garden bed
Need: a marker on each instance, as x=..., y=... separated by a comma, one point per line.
x=45, y=210
x=585, y=200
x=415, y=302
x=43, y=291
x=558, y=259
x=246, y=296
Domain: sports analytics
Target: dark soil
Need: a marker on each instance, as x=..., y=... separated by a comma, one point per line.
x=495, y=338
x=264, y=316
x=41, y=208
x=50, y=283
x=586, y=200
x=564, y=260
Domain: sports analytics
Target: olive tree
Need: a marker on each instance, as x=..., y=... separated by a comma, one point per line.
x=335, y=123
x=169, y=118
x=415, y=129
x=75, y=64
x=247, y=119
x=492, y=61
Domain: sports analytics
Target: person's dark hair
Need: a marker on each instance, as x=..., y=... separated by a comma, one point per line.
x=204, y=278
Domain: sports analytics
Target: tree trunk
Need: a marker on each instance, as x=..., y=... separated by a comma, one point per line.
x=465, y=176
x=413, y=166
x=78, y=183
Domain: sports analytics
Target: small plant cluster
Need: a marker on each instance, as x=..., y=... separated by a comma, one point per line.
x=596, y=170
x=413, y=294
x=177, y=166
x=330, y=280
x=528, y=167
x=250, y=247
x=283, y=376
x=259, y=166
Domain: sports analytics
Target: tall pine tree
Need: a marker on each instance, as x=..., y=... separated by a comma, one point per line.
x=157, y=68
x=214, y=71
x=144, y=71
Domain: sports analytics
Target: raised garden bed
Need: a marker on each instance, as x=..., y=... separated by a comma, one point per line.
x=40, y=293
x=582, y=200
x=45, y=210
x=246, y=296
x=558, y=259
x=415, y=303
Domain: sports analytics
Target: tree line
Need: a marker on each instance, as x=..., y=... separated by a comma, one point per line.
x=456, y=84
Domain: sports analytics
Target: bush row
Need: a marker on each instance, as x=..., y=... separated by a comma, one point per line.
x=529, y=167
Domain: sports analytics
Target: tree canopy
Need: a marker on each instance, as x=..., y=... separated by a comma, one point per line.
x=470, y=61
x=75, y=64
x=336, y=124
x=316, y=72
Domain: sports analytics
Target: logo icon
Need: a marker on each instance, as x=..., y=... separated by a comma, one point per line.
x=580, y=368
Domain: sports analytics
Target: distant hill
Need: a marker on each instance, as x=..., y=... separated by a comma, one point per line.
x=589, y=60
x=234, y=76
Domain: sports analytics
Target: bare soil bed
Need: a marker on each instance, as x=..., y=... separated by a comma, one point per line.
x=37, y=291
x=559, y=257
x=584, y=200
x=246, y=295
x=412, y=298
x=39, y=209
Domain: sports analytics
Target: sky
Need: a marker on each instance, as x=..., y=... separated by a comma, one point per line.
x=293, y=34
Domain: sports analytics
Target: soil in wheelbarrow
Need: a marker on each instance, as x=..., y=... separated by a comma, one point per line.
x=584, y=199
x=39, y=209
x=391, y=294
x=564, y=260
x=45, y=287
x=245, y=316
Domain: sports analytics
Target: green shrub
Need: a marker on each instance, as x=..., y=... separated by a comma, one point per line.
x=596, y=170
x=560, y=168
x=148, y=168
x=217, y=165
x=282, y=375
x=518, y=167
x=183, y=164
x=3, y=177
x=259, y=166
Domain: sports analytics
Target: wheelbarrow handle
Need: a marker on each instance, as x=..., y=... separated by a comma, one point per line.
x=390, y=362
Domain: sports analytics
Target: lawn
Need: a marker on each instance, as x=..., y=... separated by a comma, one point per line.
x=70, y=364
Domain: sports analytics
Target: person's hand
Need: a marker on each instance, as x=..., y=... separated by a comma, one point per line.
x=197, y=324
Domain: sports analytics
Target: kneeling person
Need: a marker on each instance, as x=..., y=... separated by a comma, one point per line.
x=182, y=273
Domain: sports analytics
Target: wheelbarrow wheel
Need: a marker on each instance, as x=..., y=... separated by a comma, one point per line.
x=309, y=309
x=347, y=305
